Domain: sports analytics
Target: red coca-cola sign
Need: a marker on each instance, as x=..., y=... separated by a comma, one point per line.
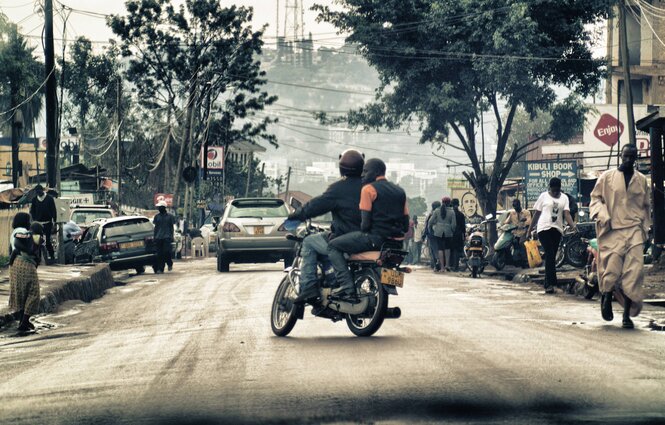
x=166, y=197
x=608, y=130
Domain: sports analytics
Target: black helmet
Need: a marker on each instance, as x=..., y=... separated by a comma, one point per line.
x=351, y=163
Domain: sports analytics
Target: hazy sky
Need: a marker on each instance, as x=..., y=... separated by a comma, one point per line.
x=27, y=15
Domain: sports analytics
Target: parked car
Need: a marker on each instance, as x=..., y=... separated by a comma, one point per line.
x=84, y=215
x=252, y=231
x=123, y=242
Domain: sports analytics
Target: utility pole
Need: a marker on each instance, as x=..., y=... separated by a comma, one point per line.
x=288, y=181
x=623, y=41
x=118, y=150
x=263, y=169
x=249, y=174
x=17, y=124
x=52, y=139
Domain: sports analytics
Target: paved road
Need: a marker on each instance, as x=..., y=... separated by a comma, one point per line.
x=195, y=347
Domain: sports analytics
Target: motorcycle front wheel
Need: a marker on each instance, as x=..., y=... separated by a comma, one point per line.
x=284, y=313
x=560, y=255
x=368, y=285
x=499, y=259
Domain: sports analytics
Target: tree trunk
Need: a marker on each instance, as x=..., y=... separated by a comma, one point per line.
x=191, y=104
x=487, y=201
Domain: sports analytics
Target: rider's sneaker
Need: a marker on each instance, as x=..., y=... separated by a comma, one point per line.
x=307, y=295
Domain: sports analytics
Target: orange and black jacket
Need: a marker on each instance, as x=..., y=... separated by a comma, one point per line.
x=384, y=208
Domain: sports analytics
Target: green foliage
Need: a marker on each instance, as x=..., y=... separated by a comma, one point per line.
x=195, y=60
x=417, y=206
x=21, y=75
x=445, y=63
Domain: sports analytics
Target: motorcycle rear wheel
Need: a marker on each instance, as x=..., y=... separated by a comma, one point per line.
x=474, y=272
x=576, y=253
x=368, y=284
x=284, y=313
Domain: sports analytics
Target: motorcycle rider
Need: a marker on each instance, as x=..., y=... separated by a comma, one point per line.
x=341, y=199
x=520, y=218
x=385, y=216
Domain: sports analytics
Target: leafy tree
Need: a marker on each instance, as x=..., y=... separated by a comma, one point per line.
x=444, y=63
x=21, y=76
x=89, y=81
x=201, y=54
x=417, y=206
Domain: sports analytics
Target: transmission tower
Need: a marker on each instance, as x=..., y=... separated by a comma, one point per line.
x=294, y=26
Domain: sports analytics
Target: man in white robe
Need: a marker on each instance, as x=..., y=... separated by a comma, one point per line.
x=620, y=204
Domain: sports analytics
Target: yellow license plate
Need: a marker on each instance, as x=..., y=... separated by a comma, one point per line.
x=258, y=230
x=130, y=245
x=392, y=277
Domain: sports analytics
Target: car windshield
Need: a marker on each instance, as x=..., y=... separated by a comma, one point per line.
x=127, y=227
x=81, y=217
x=258, y=210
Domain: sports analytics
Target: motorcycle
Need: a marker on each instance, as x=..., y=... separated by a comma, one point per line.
x=376, y=276
x=508, y=248
x=573, y=246
x=476, y=249
x=587, y=283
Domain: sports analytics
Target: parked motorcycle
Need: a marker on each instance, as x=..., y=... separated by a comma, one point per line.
x=587, y=283
x=376, y=274
x=573, y=247
x=476, y=249
x=508, y=249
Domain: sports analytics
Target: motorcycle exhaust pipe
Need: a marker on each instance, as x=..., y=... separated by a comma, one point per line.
x=393, y=313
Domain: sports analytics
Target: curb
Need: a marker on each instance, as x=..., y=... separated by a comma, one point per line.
x=90, y=285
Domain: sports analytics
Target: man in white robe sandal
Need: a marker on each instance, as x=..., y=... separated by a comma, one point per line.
x=620, y=204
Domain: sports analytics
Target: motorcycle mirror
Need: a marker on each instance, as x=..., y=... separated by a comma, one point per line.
x=291, y=225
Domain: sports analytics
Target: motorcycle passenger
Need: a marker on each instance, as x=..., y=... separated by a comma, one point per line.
x=520, y=218
x=385, y=216
x=341, y=199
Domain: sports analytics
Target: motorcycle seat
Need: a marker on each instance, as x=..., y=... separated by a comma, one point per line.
x=365, y=256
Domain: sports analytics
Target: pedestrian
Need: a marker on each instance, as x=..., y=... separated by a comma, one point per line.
x=24, y=296
x=442, y=225
x=417, y=242
x=551, y=210
x=406, y=243
x=163, y=236
x=431, y=239
x=457, y=251
x=43, y=211
x=620, y=204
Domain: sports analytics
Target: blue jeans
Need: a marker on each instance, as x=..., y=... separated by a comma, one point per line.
x=313, y=248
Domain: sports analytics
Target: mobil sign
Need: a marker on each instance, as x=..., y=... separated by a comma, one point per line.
x=214, y=160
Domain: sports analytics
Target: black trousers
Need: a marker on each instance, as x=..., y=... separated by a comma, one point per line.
x=350, y=243
x=550, y=240
x=163, y=249
x=48, y=235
